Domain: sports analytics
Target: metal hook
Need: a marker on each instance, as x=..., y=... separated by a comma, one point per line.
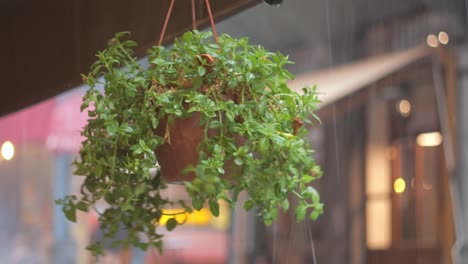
x=273, y=2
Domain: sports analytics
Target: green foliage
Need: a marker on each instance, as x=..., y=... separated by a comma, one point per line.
x=242, y=92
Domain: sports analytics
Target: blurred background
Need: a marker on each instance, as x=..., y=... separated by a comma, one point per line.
x=393, y=141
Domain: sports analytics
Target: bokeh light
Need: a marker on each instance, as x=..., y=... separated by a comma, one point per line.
x=8, y=150
x=431, y=139
x=404, y=107
x=444, y=38
x=432, y=41
x=399, y=185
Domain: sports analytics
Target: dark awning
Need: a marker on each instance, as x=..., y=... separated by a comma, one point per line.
x=46, y=45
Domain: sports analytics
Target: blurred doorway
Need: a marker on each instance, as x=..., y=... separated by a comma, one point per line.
x=416, y=213
x=418, y=192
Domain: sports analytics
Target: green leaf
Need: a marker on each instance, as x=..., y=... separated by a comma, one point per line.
x=191, y=187
x=96, y=248
x=318, y=207
x=154, y=122
x=232, y=83
x=171, y=224
x=122, y=34
x=314, y=215
x=82, y=206
x=201, y=71
x=300, y=212
x=84, y=106
x=264, y=145
x=197, y=204
x=262, y=108
x=157, y=215
x=250, y=76
x=285, y=204
x=142, y=246
x=310, y=192
x=127, y=207
x=248, y=205
x=217, y=149
x=162, y=80
x=215, y=124
x=80, y=169
x=137, y=151
x=188, y=36
x=70, y=213
x=98, y=171
x=307, y=178
x=197, y=84
x=278, y=140
x=140, y=189
x=268, y=221
x=214, y=207
x=243, y=41
x=317, y=171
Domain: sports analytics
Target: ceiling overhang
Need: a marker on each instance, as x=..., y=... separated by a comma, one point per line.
x=46, y=45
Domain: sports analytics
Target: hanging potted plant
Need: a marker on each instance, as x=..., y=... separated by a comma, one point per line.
x=217, y=116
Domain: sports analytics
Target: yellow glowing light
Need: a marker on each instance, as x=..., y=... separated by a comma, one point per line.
x=399, y=185
x=431, y=139
x=444, y=38
x=432, y=41
x=8, y=150
x=404, y=107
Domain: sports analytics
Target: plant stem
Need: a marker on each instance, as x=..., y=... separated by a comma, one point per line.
x=169, y=214
x=129, y=57
x=297, y=194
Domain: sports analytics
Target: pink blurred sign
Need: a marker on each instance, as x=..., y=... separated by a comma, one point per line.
x=66, y=123
x=54, y=123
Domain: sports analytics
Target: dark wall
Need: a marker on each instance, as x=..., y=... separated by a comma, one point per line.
x=341, y=228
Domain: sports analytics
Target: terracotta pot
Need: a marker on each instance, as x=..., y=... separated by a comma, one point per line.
x=181, y=152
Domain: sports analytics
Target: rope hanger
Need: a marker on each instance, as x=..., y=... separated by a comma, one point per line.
x=194, y=20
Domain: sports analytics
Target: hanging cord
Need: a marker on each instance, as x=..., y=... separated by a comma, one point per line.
x=194, y=17
x=194, y=20
x=211, y=20
x=168, y=15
